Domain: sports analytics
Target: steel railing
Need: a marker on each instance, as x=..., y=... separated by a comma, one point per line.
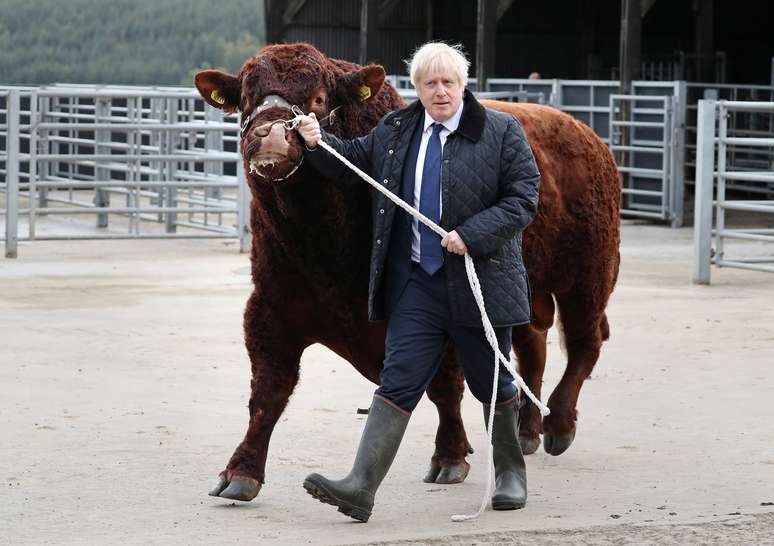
x=10, y=160
x=145, y=163
x=710, y=177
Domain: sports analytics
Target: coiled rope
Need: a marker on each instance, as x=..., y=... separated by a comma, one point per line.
x=475, y=286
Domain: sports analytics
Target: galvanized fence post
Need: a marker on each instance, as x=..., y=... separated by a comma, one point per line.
x=244, y=197
x=670, y=197
x=705, y=168
x=12, y=175
x=678, y=153
x=213, y=141
x=33, y=168
x=556, y=98
x=102, y=107
x=44, y=168
x=720, y=190
x=170, y=167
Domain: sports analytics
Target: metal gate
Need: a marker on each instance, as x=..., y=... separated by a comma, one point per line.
x=754, y=225
x=641, y=139
x=132, y=162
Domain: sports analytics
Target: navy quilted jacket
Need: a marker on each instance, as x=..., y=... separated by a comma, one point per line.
x=490, y=184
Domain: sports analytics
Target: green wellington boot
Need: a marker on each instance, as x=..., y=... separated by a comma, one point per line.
x=354, y=495
x=510, y=470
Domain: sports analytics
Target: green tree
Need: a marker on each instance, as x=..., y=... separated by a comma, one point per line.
x=142, y=42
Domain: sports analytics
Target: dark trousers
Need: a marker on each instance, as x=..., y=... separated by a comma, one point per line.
x=418, y=331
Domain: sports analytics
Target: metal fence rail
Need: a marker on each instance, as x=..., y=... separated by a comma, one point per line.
x=709, y=114
x=10, y=161
x=144, y=163
x=741, y=124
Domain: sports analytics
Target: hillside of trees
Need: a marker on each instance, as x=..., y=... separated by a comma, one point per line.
x=142, y=42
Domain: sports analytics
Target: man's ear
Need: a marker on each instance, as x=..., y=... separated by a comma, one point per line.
x=361, y=85
x=219, y=89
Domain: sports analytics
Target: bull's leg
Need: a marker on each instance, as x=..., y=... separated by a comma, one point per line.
x=529, y=344
x=448, y=464
x=581, y=323
x=275, y=364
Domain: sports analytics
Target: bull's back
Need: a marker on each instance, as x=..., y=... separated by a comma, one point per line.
x=577, y=226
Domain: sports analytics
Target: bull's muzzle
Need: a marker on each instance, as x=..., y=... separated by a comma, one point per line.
x=273, y=151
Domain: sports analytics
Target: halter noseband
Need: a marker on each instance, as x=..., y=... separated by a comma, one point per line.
x=275, y=101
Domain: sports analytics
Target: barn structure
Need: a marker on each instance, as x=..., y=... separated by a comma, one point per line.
x=691, y=40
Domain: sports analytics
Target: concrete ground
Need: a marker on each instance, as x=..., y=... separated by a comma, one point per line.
x=124, y=383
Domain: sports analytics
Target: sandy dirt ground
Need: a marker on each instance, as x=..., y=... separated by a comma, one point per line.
x=124, y=384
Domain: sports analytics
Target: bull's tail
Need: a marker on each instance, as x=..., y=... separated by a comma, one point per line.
x=604, y=328
x=560, y=330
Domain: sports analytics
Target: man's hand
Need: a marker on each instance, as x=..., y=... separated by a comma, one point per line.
x=309, y=129
x=454, y=243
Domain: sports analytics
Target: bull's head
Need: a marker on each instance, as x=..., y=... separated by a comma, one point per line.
x=267, y=88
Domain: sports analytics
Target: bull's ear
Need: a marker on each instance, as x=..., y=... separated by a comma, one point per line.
x=362, y=85
x=219, y=89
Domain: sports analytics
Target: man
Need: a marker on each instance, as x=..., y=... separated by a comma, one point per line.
x=469, y=169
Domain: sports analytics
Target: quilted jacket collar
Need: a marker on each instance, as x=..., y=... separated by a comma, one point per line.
x=473, y=118
x=472, y=122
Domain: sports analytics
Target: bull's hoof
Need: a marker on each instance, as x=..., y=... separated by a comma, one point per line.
x=448, y=474
x=453, y=474
x=432, y=473
x=558, y=444
x=529, y=445
x=240, y=488
x=219, y=486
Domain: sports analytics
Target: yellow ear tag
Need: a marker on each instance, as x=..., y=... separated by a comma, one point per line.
x=365, y=93
x=217, y=97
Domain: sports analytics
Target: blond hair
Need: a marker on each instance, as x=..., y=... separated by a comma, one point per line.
x=438, y=58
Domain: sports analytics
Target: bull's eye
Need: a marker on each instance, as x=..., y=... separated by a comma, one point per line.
x=318, y=100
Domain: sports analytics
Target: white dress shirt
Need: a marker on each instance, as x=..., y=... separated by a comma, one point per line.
x=449, y=126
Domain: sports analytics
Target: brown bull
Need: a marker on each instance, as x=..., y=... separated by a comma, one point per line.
x=311, y=246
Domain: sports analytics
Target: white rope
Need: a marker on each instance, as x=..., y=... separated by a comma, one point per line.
x=475, y=286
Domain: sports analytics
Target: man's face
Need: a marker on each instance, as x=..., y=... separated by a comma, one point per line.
x=440, y=94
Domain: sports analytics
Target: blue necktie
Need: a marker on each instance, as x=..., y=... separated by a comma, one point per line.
x=430, y=252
